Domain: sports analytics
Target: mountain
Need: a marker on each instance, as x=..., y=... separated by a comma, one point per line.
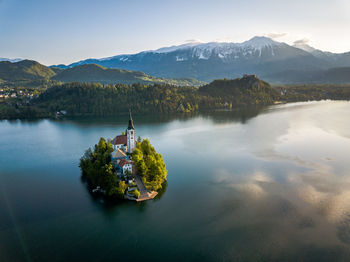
x=100, y=74
x=208, y=61
x=274, y=61
x=24, y=70
x=13, y=60
x=97, y=73
x=313, y=51
x=338, y=75
x=334, y=60
x=31, y=73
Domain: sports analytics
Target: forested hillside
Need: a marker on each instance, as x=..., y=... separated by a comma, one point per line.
x=24, y=70
x=246, y=90
x=29, y=73
x=91, y=73
x=96, y=99
x=86, y=99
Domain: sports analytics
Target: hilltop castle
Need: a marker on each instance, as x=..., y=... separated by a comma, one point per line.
x=124, y=145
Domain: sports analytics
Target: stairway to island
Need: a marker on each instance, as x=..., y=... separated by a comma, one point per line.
x=145, y=194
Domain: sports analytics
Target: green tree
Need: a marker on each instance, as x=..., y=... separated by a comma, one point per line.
x=149, y=164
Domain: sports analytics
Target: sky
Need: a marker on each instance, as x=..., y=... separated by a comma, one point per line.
x=65, y=31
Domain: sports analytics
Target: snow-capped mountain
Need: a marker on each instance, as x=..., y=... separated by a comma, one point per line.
x=208, y=61
x=334, y=60
x=316, y=52
x=253, y=48
x=256, y=45
x=176, y=47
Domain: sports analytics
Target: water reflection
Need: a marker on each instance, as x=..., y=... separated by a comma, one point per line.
x=307, y=203
x=267, y=184
x=241, y=115
x=111, y=208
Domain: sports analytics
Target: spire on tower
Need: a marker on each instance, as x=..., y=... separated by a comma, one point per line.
x=131, y=122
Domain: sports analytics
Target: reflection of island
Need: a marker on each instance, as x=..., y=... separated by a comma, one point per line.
x=124, y=168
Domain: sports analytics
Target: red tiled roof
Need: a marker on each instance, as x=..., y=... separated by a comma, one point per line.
x=119, y=140
x=123, y=162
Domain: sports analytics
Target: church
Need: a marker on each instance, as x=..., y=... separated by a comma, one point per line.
x=123, y=146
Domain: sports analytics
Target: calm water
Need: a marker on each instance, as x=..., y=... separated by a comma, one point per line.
x=272, y=185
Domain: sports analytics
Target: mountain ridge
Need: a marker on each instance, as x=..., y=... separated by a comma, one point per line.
x=274, y=61
x=209, y=61
x=29, y=72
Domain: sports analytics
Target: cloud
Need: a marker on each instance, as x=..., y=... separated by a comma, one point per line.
x=189, y=41
x=303, y=41
x=251, y=185
x=276, y=35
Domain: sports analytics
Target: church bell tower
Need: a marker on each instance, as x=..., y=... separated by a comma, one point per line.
x=130, y=135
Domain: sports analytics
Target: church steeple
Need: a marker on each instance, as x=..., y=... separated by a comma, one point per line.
x=130, y=135
x=131, y=122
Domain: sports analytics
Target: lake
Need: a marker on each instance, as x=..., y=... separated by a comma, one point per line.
x=268, y=184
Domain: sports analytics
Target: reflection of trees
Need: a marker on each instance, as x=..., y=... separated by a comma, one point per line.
x=24, y=121
x=111, y=208
x=162, y=191
x=241, y=114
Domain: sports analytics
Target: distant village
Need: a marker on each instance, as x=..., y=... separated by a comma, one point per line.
x=7, y=93
x=19, y=95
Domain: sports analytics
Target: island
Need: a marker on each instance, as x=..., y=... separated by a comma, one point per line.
x=124, y=167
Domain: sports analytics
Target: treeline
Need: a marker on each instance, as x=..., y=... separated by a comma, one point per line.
x=103, y=100
x=93, y=99
x=315, y=92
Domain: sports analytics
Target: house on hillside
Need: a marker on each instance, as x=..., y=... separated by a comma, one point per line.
x=125, y=166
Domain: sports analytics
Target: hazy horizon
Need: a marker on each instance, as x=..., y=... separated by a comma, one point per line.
x=62, y=32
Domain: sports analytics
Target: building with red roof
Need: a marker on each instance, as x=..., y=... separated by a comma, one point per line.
x=125, y=165
x=119, y=142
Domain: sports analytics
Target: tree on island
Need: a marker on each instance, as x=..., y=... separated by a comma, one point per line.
x=97, y=167
x=150, y=165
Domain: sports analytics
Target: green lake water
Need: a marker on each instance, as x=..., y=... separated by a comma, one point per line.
x=247, y=185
